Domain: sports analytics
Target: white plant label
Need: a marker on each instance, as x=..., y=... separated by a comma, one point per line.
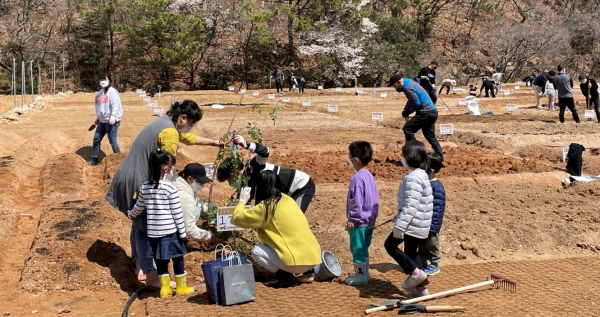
x=271, y=97
x=255, y=93
x=332, y=108
x=377, y=116
x=242, y=91
x=320, y=87
x=565, y=151
x=447, y=129
x=153, y=104
x=305, y=103
x=231, y=88
x=147, y=99
x=384, y=95
x=511, y=108
x=285, y=99
x=589, y=114
x=209, y=168
x=224, y=219
x=507, y=92
x=462, y=102
x=359, y=91
x=517, y=88
x=338, y=89
x=159, y=111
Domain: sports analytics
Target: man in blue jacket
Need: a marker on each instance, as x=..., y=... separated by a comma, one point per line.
x=426, y=113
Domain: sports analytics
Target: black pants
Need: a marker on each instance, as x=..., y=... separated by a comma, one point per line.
x=424, y=121
x=301, y=87
x=489, y=89
x=162, y=266
x=432, y=95
x=408, y=260
x=304, y=195
x=564, y=103
x=447, y=90
x=278, y=85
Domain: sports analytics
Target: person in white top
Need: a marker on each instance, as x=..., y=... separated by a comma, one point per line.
x=109, y=112
x=415, y=211
x=447, y=83
x=159, y=199
x=497, y=77
x=190, y=181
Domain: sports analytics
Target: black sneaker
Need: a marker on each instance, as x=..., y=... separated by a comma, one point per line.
x=284, y=280
x=93, y=161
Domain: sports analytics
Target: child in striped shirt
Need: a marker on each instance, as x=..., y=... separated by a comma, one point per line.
x=158, y=196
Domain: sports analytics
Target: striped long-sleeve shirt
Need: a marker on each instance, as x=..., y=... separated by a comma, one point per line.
x=163, y=208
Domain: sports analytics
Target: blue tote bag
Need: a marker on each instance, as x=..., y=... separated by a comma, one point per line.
x=211, y=270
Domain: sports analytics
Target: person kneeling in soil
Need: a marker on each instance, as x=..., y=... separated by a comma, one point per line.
x=289, y=246
x=429, y=249
x=294, y=183
x=362, y=208
x=411, y=227
x=447, y=83
x=489, y=86
x=159, y=198
x=190, y=181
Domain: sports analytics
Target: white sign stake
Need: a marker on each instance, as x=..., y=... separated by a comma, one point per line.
x=506, y=93
x=589, y=115
x=332, y=108
x=383, y=95
x=359, y=91
x=285, y=99
x=231, y=88
x=209, y=168
x=255, y=93
x=446, y=130
x=462, y=102
x=511, y=108
x=305, y=105
x=224, y=219
x=158, y=111
x=338, y=89
x=242, y=91
x=320, y=87
x=271, y=97
x=377, y=117
x=517, y=88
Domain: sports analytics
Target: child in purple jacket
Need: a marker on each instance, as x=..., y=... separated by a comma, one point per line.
x=362, y=207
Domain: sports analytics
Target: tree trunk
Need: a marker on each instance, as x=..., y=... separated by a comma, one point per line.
x=290, y=30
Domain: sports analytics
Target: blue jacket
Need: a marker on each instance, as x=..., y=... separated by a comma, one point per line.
x=418, y=98
x=439, y=205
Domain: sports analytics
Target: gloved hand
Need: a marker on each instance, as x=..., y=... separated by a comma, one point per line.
x=113, y=119
x=404, y=114
x=398, y=234
x=245, y=195
x=433, y=86
x=239, y=140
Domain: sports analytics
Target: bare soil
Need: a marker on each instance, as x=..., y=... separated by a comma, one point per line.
x=65, y=248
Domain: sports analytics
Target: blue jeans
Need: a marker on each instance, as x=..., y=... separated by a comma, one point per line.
x=101, y=130
x=360, y=240
x=139, y=242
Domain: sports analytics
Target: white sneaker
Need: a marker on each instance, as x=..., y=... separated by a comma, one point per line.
x=415, y=292
x=413, y=281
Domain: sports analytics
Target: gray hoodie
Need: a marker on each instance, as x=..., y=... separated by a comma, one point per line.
x=564, y=85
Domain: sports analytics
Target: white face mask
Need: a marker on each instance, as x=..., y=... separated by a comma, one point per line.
x=404, y=163
x=104, y=83
x=185, y=129
x=170, y=176
x=196, y=187
x=351, y=165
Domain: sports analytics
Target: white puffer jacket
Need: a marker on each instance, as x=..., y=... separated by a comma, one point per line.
x=415, y=205
x=193, y=208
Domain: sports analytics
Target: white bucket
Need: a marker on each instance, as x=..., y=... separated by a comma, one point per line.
x=473, y=107
x=329, y=269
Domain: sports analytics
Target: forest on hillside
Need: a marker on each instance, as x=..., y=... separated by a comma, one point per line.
x=211, y=44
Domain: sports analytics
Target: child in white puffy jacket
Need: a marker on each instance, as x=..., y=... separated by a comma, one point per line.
x=411, y=226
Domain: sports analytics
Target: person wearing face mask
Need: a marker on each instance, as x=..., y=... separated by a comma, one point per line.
x=362, y=208
x=109, y=112
x=163, y=133
x=294, y=183
x=190, y=181
x=420, y=103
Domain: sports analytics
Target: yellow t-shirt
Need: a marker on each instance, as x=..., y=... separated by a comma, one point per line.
x=169, y=139
x=287, y=232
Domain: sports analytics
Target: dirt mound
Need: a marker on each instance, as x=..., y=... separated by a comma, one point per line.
x=62, y=178
x=9, y=142
x=539, y=152
x=38, y=149
x=79, y=246
x=331, y=166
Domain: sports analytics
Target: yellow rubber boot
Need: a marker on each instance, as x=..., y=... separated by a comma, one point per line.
x=182, y=288
x=165, y=286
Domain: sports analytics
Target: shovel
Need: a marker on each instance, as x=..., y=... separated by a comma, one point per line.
x=92, y=127
x=407, y=309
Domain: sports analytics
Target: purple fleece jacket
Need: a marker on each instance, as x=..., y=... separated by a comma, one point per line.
x=362, y=205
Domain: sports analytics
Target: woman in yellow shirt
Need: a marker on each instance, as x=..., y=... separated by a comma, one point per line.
x=289, y=246
x=165, y=133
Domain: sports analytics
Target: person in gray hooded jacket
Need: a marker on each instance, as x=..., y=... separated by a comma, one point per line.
x=411, y=226
x=564, y=87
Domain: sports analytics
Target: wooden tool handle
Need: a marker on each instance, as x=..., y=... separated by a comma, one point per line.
x=374, y=309
x=435, y=309
x=448, y=292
